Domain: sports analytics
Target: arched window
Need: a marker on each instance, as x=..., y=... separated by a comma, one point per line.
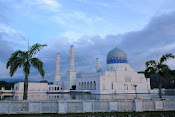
x=85, y=86
x=125, y=68
x=91, y=86
x=57, y=88
x=82, y=86
x=79, y=86
x=88, y=86
x=94, y=85
x=112, y=86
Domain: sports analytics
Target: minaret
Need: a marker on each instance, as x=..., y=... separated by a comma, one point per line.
x=71, y=74
x=58, y=63
x=72, y=59
x=97, y=64
x=57, y=75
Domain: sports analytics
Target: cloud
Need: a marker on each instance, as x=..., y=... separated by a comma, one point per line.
x=51, y=5
x=156, y=38
x=7, y=31
x=9, y=40
x=71, y=17
x=76, y=21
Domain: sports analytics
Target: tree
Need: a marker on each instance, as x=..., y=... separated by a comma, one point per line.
x=161, y=68
x=26, y=59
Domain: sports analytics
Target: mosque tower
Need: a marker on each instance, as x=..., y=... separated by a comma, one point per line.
x=72, y=59
x=97, y=64
x=71, y=73
x=57, y=75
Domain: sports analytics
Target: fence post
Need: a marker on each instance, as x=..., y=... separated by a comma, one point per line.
x=92, y=105
x=137, y=105
x=109, y=107
x=40, y=107
x=9, y=107
x=159, y=105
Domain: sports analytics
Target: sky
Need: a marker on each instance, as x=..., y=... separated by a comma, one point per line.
x=144, y=29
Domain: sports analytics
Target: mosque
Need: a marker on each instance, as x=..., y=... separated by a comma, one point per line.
x=117, y=77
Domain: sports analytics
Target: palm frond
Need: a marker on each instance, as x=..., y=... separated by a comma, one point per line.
x=151, y=63
x=167, y=72
x=38, y=64
x=150, y=71
x=165, y=57
x=36, y=48
x=14, y=65
x=16, y=60
x=19, y=53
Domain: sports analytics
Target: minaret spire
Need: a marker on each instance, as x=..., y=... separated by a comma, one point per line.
x=97, y=64
x=71, y=74
x=57, y=75
x=72, y=59
x=58, y=64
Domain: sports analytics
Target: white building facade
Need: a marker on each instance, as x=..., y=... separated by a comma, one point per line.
x=34, y=87
x=118, y=76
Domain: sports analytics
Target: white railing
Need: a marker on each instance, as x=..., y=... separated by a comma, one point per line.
x=77, y=106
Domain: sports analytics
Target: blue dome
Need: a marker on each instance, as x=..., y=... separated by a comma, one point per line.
x=99, y=70
x=116, y=56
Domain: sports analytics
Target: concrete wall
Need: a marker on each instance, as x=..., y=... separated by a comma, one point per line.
x=74, y=106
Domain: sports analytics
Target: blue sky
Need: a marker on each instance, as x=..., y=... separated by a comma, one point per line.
x=94, y=27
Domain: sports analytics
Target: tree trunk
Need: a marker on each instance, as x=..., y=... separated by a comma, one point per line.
x=160, y=87
x=25, y=88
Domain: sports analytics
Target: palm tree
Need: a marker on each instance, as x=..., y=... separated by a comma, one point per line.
x=161, y=68
x=26, y=59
